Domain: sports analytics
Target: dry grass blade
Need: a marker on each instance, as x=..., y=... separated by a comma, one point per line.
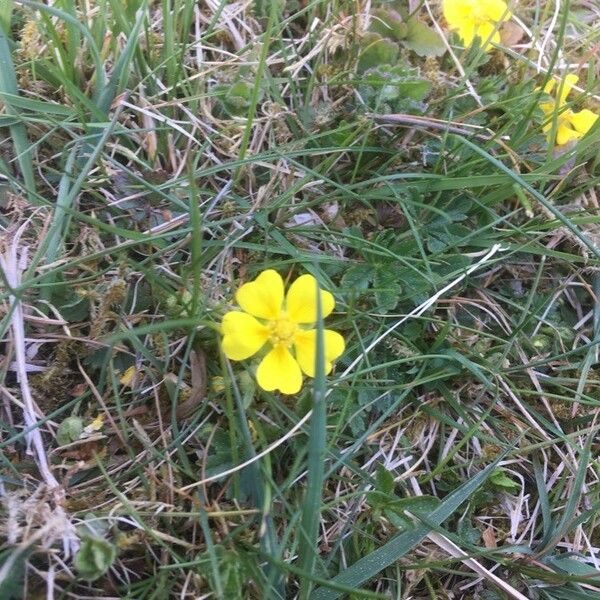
x=182, y=148
x=453, y=550
x=50, y=522
x=13, y=263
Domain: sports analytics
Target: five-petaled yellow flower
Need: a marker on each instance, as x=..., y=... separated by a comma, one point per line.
x=570, y=125
x=476, y=18
x=286, y=324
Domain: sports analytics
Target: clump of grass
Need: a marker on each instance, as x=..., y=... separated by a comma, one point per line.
x=154, y=157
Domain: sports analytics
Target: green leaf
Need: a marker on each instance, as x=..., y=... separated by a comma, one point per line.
x=396, y=83
x=375, y=51
x=388, y=23
x=568, y=593
x=385, y=480
x=415, y=286
x=358, y=277
x=387, y=289
x=373, y=563
x=69, y=430
x=237, y=97
x=94, y=558
x=422, y=40
x=500, y=479
x=230, y=574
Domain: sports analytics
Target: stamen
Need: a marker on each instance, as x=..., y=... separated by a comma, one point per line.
x=282, y=332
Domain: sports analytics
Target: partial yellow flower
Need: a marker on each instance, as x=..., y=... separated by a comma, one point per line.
x=570, y=125
x=286, y=324
x=128, y=376
x=476, y=18
x=96, y=425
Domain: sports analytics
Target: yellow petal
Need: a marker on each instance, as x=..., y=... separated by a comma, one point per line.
x=96, y=424
x=243, y=335
x=564, y=134
x=262, y=297
x=488, y=34
x=459, y=15
x=548, y=107
x=494, y=10
x=466, y=31
x=128, y=376
x=550, y=85
x=456, y=12
x=583, y=120
x=301, y=300
x=565, y=87
x=279, y=370
x=305, y=343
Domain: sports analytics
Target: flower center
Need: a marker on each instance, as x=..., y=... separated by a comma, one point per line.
x=282, y=331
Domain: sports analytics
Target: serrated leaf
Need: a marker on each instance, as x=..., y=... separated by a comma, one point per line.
x=467, y=532
x=415, y=89
x=440, y=237
x=358, y=277
x=423, y=40
x=451, y=264
x=394, y=89
x=387, y=289
x=435, y=244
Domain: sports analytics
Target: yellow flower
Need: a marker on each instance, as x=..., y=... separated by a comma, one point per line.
x=476, y=18
x=570, y=125
x=286, y=324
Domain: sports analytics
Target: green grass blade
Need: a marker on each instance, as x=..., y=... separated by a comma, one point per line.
x=68, y=192
x=120, y=73
x=539, y=197
x=258, y=83
x=544, y=500
x=60, y=220
x=8, y=87
x=261, y=496
x=311, y=508
x=574, y=497
x=73, y=22
x=372, y=564
x=6, y=9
